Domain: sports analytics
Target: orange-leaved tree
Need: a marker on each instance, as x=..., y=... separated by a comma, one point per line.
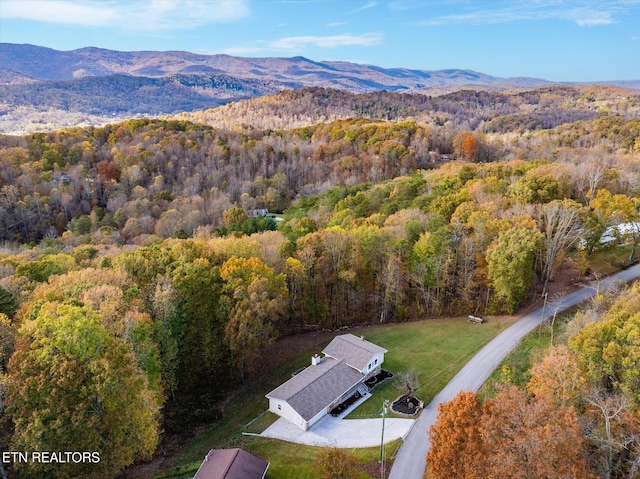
x=531, y=438
x=456, y=445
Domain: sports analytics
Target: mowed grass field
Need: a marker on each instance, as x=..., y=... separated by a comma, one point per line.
x=436, y=349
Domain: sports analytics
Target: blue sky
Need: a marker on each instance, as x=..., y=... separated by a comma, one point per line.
x=572, y=40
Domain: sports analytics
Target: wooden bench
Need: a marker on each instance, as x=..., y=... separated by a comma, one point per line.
x=475, y=319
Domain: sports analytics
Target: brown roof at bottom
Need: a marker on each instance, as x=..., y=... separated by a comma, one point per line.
x=231, y=464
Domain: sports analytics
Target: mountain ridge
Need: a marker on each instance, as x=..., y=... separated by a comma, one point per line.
x=43, y=89
x=44, y=63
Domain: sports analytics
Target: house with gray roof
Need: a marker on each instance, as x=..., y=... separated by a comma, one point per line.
x=310, y=394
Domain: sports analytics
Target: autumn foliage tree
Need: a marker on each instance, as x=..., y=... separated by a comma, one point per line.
x=511, y=435
x=532, y=438
x=557, y=378
x=456, y=443
x=7, y=339
x=608, y=351
x=510, y=265
x=73, y=386
x=8, y=302
x=465, y=145
x=256, y=300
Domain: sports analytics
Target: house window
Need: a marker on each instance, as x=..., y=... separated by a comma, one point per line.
x=279, y=407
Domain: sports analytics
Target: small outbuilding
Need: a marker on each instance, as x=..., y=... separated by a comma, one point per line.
x=257, y=213
x=231, y=464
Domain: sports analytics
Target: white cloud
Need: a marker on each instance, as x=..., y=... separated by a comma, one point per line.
x=237, y=51
x=586, y=17
x=335, y=24
x=62, y=11
x=364, y=7
x=583, y=13
x=333, y=41
x=149, y=16
x=402, y=5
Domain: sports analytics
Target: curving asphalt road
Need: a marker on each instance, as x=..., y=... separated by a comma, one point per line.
x=410, y=461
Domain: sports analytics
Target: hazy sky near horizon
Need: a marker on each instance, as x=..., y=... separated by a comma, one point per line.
x=558, y=40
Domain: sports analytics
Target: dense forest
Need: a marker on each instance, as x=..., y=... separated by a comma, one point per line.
x=488, y=112
x=125, y=94
x=132, y=261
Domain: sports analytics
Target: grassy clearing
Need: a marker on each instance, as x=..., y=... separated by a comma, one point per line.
x=262, y=422
x=437, y=349
x=294, y=461
x=608, y=261
x=291, y=461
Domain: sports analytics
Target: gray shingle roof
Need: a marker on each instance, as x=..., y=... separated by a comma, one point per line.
x=313, y=389
x=356, y=351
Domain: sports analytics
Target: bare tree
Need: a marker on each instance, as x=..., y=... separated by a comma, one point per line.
x=607, y=430
x=409, y=382
x=555, y=306
x=561, y=227
x=588, y=177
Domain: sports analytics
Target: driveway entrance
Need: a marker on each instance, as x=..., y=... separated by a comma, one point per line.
x=335, y=432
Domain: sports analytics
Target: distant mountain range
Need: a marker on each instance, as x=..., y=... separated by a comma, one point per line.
x=39, y=63
x=96, y=82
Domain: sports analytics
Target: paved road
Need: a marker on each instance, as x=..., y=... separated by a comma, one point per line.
x=410, y=461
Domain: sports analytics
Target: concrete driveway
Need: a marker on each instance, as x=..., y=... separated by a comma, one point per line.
x=339, y=432
x=336, y=432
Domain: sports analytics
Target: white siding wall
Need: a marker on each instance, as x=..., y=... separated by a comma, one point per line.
x=317, y=417
x=287, y=412
x=375, y=363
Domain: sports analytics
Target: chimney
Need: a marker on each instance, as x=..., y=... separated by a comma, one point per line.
x=315, y=360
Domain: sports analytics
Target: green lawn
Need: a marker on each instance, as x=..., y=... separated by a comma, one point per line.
x=437, y=349
x=608, y=261
x=293, y=461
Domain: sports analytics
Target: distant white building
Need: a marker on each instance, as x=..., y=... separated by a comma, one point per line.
x=618, y=233
x=309, y=395
x=258, y=212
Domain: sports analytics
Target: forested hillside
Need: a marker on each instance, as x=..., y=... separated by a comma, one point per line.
x=517, y=110
x=43, y=90
x=131, y=261
x=126, y=180
x=129, y=95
